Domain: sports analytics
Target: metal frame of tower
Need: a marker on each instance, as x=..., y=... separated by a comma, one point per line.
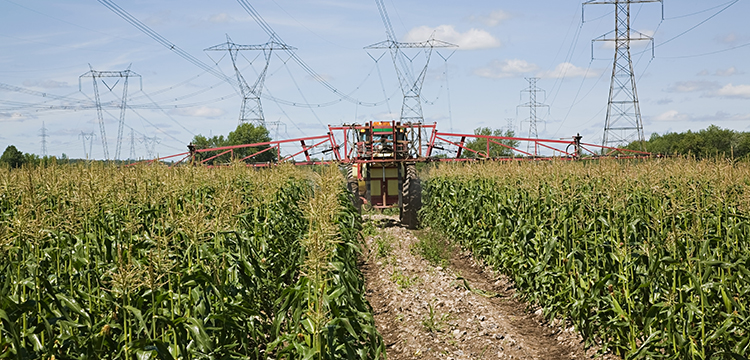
x=411, y=85
x=623, y=123
x=44, y=139
x=132, y=145
x=90, y=137
x=150, y=144
x=533, y=104
x=126, y=74
x=252, y=112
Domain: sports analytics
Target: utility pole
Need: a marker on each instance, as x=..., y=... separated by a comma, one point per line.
x=44, y=140
x=533, y=104
x=94, y=75
x=411, y=84
x=251, y=110
x=623, y=123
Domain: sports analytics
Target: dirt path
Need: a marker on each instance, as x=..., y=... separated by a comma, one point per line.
x=428, y=312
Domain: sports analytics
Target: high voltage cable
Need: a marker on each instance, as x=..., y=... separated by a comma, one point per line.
x=140, y=133
x=303, y=96
x=169, y=116
x=185, y=55
x=274, y=36
x=700, y=23
x=706, y=54
x=728, y=5
x=160, y=39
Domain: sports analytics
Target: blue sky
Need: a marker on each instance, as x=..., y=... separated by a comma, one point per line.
x=697, y=78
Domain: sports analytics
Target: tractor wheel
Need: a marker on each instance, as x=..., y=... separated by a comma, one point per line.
x=411, y=198
x=352, y=184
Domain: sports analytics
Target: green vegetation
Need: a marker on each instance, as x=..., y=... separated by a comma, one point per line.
x=433, y=247
x=496, y=150
x=707, y=143
x=383, y=245
x=13, y=158
x=147, y=262
x=403, y=281
x=650, y=259
x=433, y=321
x=246, y=133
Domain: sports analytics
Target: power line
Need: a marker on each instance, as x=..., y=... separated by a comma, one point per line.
x=317, y=77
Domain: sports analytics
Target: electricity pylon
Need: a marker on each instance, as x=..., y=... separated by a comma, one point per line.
x=251, y=110
x=94, y=75
x=132, y=145
x=90, y=138
x=411, y=84
x=533, y=104
x=623, y=123
x=150, y=144
x=44, y=140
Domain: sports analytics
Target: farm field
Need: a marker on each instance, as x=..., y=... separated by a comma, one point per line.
x=647, y=259
x=102, y=262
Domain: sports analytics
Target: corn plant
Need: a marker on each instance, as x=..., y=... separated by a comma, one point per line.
x=648, y=259
x=100, y=262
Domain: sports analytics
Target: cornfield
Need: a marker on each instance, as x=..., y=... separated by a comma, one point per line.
x=100, y=262
x=648, y=260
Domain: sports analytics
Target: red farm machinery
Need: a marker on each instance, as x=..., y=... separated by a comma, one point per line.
x=380, y=157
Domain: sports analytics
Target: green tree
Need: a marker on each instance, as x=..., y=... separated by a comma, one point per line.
x=12, y=157
x=710, y=142
x=246, y=133
x=496, y=150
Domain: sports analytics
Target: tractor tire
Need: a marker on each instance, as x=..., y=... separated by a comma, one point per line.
x=411, y=198
x=352, y=184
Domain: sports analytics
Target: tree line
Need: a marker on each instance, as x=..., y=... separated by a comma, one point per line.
x=707, y=143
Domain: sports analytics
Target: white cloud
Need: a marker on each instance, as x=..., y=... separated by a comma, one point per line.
x=721, y=72
x=731, y=38
x=221, y=18
x=469, y=40
x=202, y=111
x=728, y=72
x=567, y=70
x=732, y=91
x=15, y=116
x=495, y=18
x=672, y=115
x=47, y=84
x=506, y=68
x=159, y=18
x=692, y=86
x=664, y=101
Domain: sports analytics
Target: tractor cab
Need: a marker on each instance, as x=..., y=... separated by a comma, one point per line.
x=383, y=173
x=382, y=140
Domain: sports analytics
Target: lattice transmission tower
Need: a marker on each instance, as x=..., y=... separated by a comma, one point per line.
x=533, y=105
x=150, y=144
x=623, y=124
x=44, y=137
x=251, y=110
x=97, y=76
x=132, y=145
x=90, y=138
x=410, y=83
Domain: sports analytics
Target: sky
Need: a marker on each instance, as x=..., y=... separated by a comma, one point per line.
x=699, y=74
